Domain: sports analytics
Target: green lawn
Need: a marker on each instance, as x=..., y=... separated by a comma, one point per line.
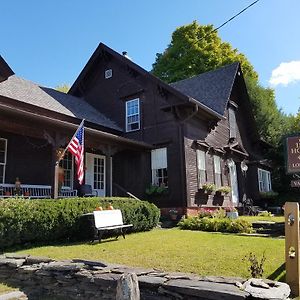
x=259, y=218
x=177, y=250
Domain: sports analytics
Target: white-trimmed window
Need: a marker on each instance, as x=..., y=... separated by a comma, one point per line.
x=217, y=171
x=133, y=115
x=3, y=154
x=264, y=180
x=201, y=166
x=159, y=167
x=67, y=163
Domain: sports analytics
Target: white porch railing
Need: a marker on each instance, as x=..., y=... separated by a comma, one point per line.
x=31, y=191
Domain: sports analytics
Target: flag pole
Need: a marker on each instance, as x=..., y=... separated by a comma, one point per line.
x=59, y=158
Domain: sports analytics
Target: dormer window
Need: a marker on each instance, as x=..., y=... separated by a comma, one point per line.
x=133, y=115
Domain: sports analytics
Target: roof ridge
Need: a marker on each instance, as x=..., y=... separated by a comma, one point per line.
x=207, y=72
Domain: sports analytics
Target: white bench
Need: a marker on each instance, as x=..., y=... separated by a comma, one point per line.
x=109, y=220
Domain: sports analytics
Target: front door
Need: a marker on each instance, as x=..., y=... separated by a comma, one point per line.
x=233, y=182
x=95, y=172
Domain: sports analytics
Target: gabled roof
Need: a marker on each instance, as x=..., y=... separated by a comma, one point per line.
x=5, y=70
x=212, y=89
x=30, y=93
x=184, y=98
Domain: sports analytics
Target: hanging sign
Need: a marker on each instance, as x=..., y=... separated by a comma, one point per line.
x=293, y=154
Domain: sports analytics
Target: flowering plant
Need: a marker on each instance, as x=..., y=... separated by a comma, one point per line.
x=173, y=211
x=208, y=187
x=205, y=212
x=224, y=190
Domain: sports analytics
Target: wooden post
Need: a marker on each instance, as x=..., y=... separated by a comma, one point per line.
x=292, y=266
x=56, y=170
x=128, y=287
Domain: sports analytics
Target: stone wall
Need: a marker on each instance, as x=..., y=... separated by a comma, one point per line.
x=43, y=278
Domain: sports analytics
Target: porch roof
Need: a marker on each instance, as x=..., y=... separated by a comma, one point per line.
x=31, y=93
x=73, y=125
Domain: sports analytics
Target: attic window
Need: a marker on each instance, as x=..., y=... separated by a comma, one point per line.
x=108, y=73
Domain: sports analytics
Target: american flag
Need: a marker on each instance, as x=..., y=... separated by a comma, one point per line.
x=76, y=147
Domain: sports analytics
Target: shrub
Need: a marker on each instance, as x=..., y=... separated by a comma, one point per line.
x=256, y=267
x=205, y=212
x=265, y=214
x=216, y=225
x=23, y=221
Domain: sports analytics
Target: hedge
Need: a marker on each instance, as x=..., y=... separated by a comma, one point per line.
x=216, y=224
x=48, y=220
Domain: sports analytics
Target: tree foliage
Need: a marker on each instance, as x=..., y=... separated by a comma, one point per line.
x=194, y=50
x=64, y=88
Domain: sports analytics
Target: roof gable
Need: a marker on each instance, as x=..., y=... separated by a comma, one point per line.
x=5, y=70
x=212, y=89
x=102, y=49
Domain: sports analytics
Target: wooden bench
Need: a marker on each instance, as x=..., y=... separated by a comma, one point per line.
x=109, y=220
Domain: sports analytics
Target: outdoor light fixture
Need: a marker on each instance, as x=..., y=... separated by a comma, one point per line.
x=244, y=167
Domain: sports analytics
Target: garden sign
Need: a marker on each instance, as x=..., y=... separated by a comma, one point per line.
x=292, y=154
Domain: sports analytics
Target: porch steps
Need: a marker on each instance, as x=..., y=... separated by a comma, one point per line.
x=269, y=227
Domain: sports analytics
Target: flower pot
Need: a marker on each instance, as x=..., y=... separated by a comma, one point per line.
x=173, y=217
x=232, y=214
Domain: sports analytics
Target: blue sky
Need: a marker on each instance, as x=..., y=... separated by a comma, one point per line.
x=49, y=42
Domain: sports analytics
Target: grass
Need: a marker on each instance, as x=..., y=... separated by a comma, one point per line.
x=252, y=219
x=202, y=253
x=197, y=252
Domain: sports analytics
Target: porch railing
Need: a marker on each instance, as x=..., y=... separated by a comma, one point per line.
x=31, y=191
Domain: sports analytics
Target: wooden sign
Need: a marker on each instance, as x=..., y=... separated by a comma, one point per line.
x=293, y=154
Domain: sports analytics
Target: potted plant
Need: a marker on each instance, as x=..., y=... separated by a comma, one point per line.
x=208, y=188
x=173, y=214
x=223, y=190
x=155, y=190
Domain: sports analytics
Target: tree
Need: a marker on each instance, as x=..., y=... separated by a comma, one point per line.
x=64, y=88
x=195, y=49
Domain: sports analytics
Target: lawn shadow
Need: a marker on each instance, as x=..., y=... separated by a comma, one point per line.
x=278, y=274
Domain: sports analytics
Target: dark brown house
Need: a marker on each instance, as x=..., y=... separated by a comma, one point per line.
x=140, y=132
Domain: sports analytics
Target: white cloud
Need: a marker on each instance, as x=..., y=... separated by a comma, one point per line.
x=286, y=73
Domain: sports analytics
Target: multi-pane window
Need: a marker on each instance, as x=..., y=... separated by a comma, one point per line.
x=201, y=166
x=232, y=123
x=217, y=171
x=67, y=163
x=98, y=173
x=3, y=152
x=264, y=180
x=159, y=167
x=133, y=115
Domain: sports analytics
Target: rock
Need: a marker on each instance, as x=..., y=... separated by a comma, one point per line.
x=205, y=290
x=63, y=266
x=257, y=288
x=12, y=262
x=90, y=263
x=151, y=281
x=30, y=260
x=15, y=256
x=128, y=287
